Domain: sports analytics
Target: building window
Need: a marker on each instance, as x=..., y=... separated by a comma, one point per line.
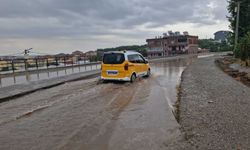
x=182, y=40
x=190, y=41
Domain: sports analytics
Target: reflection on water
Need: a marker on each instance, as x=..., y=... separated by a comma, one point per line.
x=28, y=77
x=168, y=75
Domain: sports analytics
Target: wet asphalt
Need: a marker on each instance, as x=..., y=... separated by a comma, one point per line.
x=91, y=115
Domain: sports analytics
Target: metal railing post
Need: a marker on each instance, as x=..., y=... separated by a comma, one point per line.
x=79, y=64
x=13, y=66
x=26, y=70
x=56, y=62
x=13, y=70
x=47, y=62
x=26, y=65
x=64, y=61
x=0, y=80
x=37, y=68
x=36, y=64
x=57, y=66
x=72, y=65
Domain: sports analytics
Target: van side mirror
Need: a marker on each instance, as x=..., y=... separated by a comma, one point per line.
x=146, y=61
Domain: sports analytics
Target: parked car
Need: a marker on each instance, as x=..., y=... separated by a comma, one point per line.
x=124, y=66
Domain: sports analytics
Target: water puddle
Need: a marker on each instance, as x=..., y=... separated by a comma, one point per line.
x=168, y=75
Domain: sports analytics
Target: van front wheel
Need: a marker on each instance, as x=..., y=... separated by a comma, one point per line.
x=148, y=73
x=133, y=77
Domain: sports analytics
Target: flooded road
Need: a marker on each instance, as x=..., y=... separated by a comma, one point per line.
x=91, y=115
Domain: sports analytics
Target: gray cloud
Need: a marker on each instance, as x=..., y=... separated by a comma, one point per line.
x=56, y=18
x=114, y=22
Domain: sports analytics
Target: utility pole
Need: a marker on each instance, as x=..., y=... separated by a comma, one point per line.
x=27, y=51
x=237, y=27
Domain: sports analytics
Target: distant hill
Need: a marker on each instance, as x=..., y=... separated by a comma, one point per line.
x=139, y=48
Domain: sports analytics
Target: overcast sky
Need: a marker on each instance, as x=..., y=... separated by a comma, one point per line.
x=54, y=26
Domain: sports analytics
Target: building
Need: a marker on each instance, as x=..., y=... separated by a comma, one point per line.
x=10, y=57
x=91, y=54
x=221, y=36
x=172, y=43
x=78, y=53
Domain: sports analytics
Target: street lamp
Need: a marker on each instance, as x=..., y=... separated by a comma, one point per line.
x=26, y=52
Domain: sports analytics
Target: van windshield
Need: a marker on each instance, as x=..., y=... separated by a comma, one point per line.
x=113, y=58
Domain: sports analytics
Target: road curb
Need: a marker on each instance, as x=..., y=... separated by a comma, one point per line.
x=14, y=91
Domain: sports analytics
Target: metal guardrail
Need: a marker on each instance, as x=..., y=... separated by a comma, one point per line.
x=40, y=70
x=25, y=70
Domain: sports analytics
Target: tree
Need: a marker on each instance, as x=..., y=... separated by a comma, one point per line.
x=93, y=58
x=138, y=48
x=244, y=23
x=213, y=45
x=244, y=20
x=245, y=47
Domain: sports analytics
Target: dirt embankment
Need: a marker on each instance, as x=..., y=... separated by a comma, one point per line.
x=242, y=76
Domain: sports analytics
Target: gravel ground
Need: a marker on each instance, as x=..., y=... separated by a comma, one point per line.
x=214, y=109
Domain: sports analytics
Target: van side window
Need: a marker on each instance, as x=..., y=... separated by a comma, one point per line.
x=135, y=58
x=132, y=58
x=141, y=59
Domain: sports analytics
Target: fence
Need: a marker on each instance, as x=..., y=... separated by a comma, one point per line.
x=32, y=69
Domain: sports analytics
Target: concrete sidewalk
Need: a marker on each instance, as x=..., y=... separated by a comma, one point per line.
x=7, y=93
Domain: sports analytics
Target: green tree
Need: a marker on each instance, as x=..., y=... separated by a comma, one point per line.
x=93, y=58
x=244, y=20
x=139, y=48
x=213, y=45
x=244, y=23
x=245, y=47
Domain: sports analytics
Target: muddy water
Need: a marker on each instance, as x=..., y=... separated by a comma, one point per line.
x=89, y=115
x=168, y=74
